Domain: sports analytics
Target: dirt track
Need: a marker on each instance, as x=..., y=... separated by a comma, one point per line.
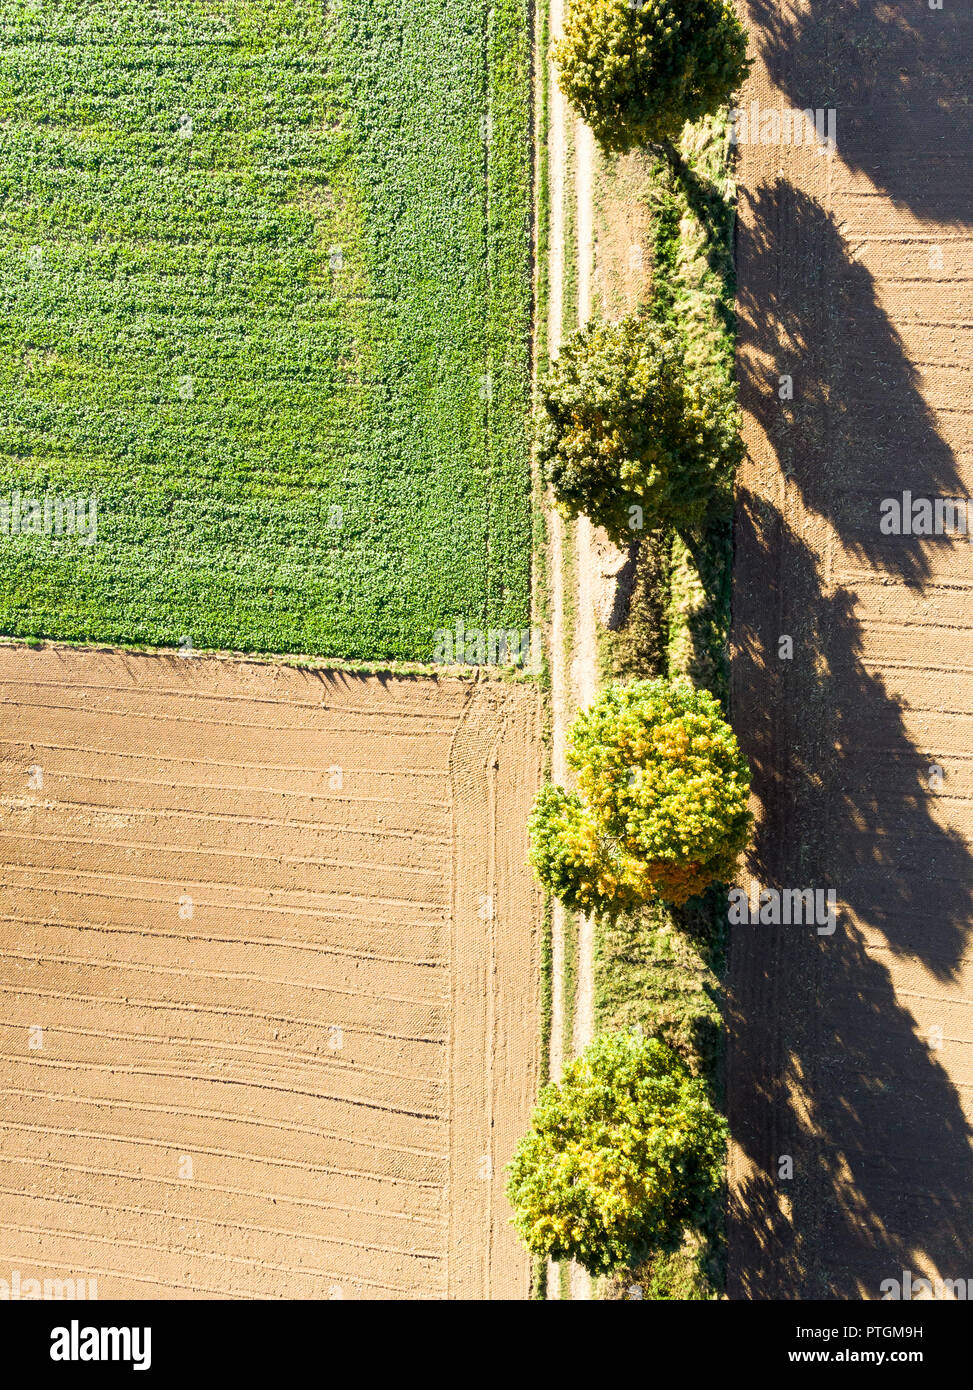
x=853, y=1054
x=574, y=683
x=277, y=933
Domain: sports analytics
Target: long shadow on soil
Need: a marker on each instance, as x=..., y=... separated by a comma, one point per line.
x=858, y=429
x=897, y=77
x=826, y=1062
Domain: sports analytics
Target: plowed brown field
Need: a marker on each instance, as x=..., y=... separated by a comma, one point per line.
x=269, y=979
x=851, y=1055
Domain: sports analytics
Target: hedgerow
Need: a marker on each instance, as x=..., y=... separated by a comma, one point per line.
x=266, y=283
x=661, y=969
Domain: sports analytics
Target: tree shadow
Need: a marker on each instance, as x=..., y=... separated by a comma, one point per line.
x=897, y=77
x=858, y=429
x=830, y=1060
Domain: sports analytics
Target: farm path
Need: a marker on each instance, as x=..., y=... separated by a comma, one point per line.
x=588, y=569
x=575, y=681
x=850, y=1066
x=560, y=674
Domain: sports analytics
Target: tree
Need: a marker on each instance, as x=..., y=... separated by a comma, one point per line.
x=661, y=806
x=637, y=70
x=619, y=1158
x=630, y=436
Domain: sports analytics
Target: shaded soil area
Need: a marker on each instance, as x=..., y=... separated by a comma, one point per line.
x=851, y=1055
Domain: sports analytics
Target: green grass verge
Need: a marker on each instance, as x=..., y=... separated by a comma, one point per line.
x=267, y=275
x=569, y=288
x=569, y=976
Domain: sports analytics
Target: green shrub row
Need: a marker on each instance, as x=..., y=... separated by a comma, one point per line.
x=638, y=428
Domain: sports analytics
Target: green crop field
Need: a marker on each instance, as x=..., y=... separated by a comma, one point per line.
x=265, y=271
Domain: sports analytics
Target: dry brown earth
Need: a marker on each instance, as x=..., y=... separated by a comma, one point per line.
x=853, y=1054
x=269, y=1013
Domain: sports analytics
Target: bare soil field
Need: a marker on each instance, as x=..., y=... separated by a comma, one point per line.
x=269, y=982
x=852, y=1054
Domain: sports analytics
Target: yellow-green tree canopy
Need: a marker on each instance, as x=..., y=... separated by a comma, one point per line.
x=637, y=70
x=620, y=1156
x=661, y=806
